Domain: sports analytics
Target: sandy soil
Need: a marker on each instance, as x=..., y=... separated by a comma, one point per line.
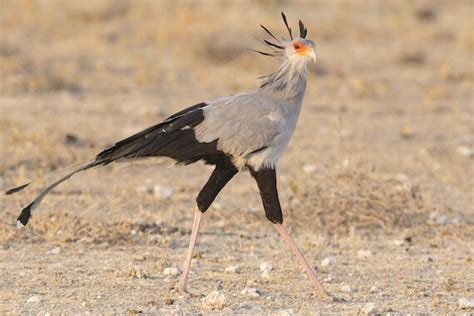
x=379, y=175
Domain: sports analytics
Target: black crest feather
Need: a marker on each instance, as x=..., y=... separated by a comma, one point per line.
x=286, y=23
x=303, y=30
x=274, y=45
x=263, y=53
x=269, y=33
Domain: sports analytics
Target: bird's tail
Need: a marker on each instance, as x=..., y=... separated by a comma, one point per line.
x=25, y=214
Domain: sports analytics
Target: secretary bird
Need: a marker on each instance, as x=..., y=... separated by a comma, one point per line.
x=248, y=131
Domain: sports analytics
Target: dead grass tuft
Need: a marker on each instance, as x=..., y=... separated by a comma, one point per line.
x=62, y=227
x=352, y=200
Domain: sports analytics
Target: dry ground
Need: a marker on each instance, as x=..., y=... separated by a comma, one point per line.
x=379, y=175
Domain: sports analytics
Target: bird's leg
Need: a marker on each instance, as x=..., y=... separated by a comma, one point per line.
x=295, y=250
x=189, y=254
x=224, y=171
x=267, y=183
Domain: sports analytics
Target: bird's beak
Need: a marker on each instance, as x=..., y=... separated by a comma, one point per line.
x=312, y=55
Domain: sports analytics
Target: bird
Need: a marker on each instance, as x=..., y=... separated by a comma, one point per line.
x=243, y=132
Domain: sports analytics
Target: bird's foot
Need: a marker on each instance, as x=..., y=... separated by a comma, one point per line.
x=180, y=289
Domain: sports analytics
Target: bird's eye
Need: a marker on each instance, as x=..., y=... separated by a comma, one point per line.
x=296, y=46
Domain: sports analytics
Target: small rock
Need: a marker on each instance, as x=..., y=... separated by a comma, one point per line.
x=466, y=302
x=250, y=291
x=171, y=271
x=363, y=253
x=56, y=251
x=137, y=272
x=398, y=242
x=407, y=132
x=309, y=168
x=439, y=218
x=245, y=306
x=214, y=300
x=233, y=269
x=162, y=192
x=429, y=259
x=465, y=151
x=286, y=312
x=266, y=275
x=329, y=261
x=369, y=308
x=373, y=289
x=265, y=266
x=346, y=288
x=34, y=299
x=169, y=301
x=329, y=279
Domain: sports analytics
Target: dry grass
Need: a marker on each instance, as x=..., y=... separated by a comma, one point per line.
x=383, y=150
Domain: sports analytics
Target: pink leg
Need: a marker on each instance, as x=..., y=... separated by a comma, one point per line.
x=320, y=291
x=189, y=255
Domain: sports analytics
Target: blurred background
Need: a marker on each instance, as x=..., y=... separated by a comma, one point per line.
x=384, y=143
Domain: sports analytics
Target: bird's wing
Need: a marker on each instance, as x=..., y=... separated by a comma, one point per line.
x=242, y=124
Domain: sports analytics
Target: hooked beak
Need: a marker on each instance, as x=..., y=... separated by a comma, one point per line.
x=312, y=55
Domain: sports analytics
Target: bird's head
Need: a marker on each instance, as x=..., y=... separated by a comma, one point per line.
x=298, y=49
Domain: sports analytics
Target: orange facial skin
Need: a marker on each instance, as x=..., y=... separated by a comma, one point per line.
x=301, y=48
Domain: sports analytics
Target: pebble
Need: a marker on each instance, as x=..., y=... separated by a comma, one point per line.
x=439, y=218
x=214, y=300
x=309, y=168
x=245, y=306
x=329, y=279
x=465, y=151
x=346, y=288
x=407, y=132
x=171, y=271
x=34, y=299
x=329, y=261
x=466, y=303
x=266, y=275
x=373, y=289
x=233, y=269
x=286, y=312
x=250, y=291
x=265, y=266
x=369, y=308
x=398, y=242
x=162, y=192
x=364, y=253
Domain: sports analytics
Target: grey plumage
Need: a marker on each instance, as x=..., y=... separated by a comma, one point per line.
x=249, y=129
x=244, y=131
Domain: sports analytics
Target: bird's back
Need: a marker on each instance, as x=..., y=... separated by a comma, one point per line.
x=254, y=128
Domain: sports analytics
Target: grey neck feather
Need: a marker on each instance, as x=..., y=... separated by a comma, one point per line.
x=287, y=82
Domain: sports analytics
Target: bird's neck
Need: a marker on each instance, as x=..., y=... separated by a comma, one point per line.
x=287, y=82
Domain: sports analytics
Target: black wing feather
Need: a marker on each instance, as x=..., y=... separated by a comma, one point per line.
x=174, y=138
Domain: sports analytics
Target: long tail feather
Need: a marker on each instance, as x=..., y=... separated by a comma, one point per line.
x=27, y=211
x=17, y=189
